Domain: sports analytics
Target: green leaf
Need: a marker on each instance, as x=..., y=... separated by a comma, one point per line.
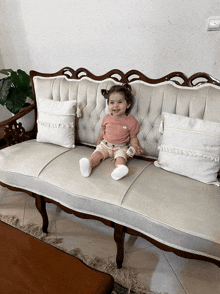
x=5, y=85
x=24, y=78
x=6, y=72
x=15, y=80
x=16, y=101
x=15, y=89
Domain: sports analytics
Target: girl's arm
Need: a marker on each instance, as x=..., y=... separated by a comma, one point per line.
x=135, y=144
x=100, y=137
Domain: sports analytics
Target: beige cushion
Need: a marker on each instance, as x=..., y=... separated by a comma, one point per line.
x=55, y=173
x=176, y=210
x=190, y=147
x=56, y=122
x=28, y=158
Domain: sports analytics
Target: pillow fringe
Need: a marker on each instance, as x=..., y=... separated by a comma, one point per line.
x=188, y=153
x=52, y=125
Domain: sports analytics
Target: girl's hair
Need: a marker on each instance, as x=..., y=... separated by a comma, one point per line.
x=124, y=89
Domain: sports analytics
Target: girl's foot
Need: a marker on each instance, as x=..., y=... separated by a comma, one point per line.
x=119, y=172
x=85, y=167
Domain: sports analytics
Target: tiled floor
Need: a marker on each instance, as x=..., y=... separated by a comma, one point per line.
x=162, y=271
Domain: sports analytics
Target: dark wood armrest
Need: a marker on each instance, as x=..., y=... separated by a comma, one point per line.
x=14, y=132
x=17, y=116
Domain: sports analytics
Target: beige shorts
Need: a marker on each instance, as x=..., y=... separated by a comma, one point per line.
x=112, y=150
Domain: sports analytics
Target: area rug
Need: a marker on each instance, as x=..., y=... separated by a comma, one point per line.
x=125, y=278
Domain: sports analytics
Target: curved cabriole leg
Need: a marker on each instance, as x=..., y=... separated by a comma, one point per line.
x=119, y=239
x=41, y=207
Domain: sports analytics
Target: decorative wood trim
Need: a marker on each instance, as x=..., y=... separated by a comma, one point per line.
x=178, y=78
x=16, y=189
x=205, y=79
x=17, y=116
x=79, y=214
x=178, y=252
x=14, y=132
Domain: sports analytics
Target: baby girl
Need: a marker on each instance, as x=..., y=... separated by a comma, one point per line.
x=119, y=129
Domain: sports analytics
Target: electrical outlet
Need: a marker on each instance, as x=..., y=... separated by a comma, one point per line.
x=214, y=25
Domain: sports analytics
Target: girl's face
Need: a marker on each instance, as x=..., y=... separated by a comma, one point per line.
x=118, y=105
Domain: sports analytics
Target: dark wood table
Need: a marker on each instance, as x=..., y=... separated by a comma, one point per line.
x=28, y=265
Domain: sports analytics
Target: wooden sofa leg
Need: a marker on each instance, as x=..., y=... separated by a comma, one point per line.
x=41, y=207
x=119, y=239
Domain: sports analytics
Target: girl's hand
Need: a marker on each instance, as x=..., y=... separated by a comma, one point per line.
x=135, y=144
x=138, y=150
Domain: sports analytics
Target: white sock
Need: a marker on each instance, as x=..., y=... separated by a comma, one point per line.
x=85, y=167
x=119, y=172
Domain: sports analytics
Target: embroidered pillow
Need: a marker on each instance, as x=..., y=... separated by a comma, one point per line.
x=190, y=147
x=56, y=122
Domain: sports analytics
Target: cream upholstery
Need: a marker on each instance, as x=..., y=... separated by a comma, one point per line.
x=172, y=209
x=150, y=101
x=160, y=204
x=176, y=210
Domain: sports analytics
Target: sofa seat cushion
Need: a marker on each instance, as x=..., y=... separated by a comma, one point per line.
x=21, y=164
x=176, y=210
x=28, y=158
x=64, y=173
x=53, y=171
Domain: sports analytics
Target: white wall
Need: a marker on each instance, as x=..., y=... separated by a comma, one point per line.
x=155, y=37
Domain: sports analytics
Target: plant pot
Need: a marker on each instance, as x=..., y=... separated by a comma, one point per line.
x=28, y=120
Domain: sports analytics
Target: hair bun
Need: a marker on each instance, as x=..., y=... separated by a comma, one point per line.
x=104, y=93
x=127, y=86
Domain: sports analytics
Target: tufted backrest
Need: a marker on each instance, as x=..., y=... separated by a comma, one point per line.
x=150, y=101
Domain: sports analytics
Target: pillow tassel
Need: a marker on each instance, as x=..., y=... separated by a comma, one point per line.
x=161, y=127
x=79, y=111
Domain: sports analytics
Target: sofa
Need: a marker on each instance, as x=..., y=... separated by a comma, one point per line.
x=171, y=195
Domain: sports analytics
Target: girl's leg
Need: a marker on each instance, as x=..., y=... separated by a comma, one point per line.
x=95, y=159
x=86, y=165
x=120, y=170
x=120, y=161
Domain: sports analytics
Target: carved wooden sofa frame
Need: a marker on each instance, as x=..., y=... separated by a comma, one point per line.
x=15, y=133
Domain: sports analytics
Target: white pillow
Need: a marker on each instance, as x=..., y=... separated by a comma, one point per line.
x=190, y=147
x=56, y=122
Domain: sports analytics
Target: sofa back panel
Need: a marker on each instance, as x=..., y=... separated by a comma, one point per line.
x=87, y=92
x=151, y=100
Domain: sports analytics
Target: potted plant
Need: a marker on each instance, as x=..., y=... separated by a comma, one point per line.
x=15, y=90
